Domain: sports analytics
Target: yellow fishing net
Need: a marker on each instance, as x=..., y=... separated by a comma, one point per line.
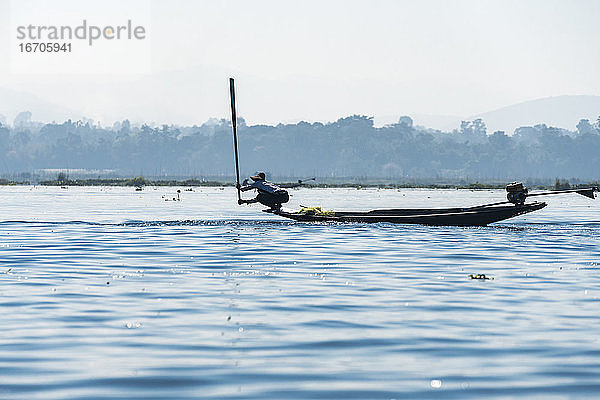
x=316, y=211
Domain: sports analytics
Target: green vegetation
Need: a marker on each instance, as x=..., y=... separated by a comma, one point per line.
x=140, y=181
x=6, y=182
x=350, y=150
x=561, y=184
x=137, y=182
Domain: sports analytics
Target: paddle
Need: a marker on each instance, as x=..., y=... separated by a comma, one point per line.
x=235, y=143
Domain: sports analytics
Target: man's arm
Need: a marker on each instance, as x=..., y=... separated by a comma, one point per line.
x=240, y=202
x=245, y=188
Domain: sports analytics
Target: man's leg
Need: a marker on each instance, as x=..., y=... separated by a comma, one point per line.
x=266, y=199
x=282, y=197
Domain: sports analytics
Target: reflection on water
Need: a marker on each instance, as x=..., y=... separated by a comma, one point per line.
x=116, y=293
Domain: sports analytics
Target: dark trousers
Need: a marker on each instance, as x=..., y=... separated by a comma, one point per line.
x=273, y=200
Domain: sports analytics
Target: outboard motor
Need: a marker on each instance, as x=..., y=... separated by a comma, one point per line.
x=516, y=193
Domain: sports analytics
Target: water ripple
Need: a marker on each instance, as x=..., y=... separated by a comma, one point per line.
x=117, y=304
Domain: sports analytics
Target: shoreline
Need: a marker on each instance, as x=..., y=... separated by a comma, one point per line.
x=140, y=182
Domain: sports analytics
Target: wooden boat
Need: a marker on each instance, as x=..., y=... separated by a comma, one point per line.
x=482, y=215
x=471, y=216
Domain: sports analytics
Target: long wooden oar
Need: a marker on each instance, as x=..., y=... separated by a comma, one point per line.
x=235, y=141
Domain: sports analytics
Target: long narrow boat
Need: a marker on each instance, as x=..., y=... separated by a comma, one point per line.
x=471, y=216
x=482, y=215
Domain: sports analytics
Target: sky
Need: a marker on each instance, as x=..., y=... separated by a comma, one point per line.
x=309, y=60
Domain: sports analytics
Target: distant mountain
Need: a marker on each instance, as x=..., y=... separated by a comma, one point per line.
x=560, y=111
x=14, y=101
x=181, y=92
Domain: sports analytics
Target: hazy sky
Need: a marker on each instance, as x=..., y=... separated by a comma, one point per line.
x=316, y=60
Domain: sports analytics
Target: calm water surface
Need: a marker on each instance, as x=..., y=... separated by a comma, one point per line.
x=112, y=293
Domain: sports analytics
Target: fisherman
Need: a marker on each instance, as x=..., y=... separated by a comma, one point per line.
x=269, y=194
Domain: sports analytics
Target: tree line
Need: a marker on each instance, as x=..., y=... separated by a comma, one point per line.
x=350, y=147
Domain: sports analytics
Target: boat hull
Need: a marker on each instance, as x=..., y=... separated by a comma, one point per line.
x=471, y=216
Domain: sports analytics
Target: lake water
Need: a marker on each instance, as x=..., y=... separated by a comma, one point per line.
x=113, y=293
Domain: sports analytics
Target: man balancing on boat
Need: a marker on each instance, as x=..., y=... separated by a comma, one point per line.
x=274, y=196
x=269, y=194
